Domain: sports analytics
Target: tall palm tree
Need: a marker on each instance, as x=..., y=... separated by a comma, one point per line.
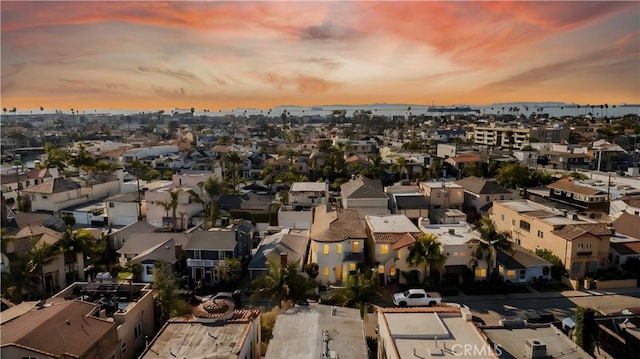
x=233, y=160
x=173, y=203
x=427, y=251
x=166, y=205
x=359, y=290
x=400, y=166
x=491, y=240
x=35, y=259
x=70, y=244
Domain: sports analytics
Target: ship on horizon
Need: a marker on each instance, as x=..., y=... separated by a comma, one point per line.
x=452, y=109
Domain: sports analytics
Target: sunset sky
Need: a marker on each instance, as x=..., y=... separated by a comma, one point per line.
x=219, y=55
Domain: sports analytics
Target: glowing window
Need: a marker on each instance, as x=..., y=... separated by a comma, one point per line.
x=501, y=270
x=325, y=249
x=511, y=273
x=356, y=247
x=339, y=248
x=381, y=269
x=384, y=249
x=392, y=271
x=325, y=271
x=315, y=246
x=352, y=266
x=481, y=272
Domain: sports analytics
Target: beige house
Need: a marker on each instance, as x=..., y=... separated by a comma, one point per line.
x=337, y=243
x=389, y=238
x=442, y=196
x=581, y=244
x=366, y=196
x=159, y=217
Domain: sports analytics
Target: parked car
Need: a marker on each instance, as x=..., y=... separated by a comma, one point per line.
x=416, y=298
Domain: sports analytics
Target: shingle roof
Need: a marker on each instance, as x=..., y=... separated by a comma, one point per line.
x=294, y=245
x=405, y=240
x=628, y=224
x=567, y=185
x=63, y=328
x=336, y=225
x=137, y=243
x=165, y=251
x=212, y=240
x=362, y=187
x=571, y=232
x=481, y=186
x=55, y=186
x=411, y=202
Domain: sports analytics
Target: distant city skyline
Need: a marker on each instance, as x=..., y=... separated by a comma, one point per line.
x=222, y=55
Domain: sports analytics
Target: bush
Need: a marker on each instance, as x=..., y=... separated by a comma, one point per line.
x=267, y=322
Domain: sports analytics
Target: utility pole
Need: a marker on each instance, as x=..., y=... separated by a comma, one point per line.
x=609, y=194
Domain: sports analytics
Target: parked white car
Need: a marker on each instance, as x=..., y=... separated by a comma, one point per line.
x=416, y=298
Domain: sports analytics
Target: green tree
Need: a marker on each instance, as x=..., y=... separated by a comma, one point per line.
x=584, y=332
x=165, y=285
x=435, y=168
x=359, y=290
x=212, y=188
x=472, y=169
x=513, y=176
x=55, y=158
x=231, y=271
x=427, y=251
x=233, y=161
x=174, y=195
x=281, y=283
x=557, y=268
x=82, y=159
x=400, y=166
x=35, y=258
x=491, y=240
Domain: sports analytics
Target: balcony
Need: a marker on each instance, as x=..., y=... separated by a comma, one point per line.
x=584, y=253
x=202, y=262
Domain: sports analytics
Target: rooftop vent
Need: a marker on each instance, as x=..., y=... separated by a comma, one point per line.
x=536, y=349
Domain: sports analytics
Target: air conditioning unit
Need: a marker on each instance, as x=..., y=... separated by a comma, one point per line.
x=536, y=349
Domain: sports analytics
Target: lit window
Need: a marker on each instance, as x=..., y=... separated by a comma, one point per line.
x=325, y=249
x=455, y=254
x=356, y=247
x=325, y=271
x=392, y=271
x=381, y=269
x=315, y=246
x=384, y=249
x=511, y=273
x=481, y=272
x=339, y=248
x=352, y=266
x=463, y=254
x=501, y=270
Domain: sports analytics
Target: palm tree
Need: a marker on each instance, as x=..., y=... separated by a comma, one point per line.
x=35, y=259
x=166, y=205
x=70, y=244
x=233, y=160
x=491, y=240
x=400, y=166
x=427, y=250
x=281, y=282
x=173, y=203
x=359, y=290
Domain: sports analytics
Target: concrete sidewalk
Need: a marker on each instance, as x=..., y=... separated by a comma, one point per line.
x=541, y=295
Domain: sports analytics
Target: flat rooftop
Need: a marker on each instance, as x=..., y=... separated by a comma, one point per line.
x=513, y=341
x=198, y=340
x=298, y=333
x=428, y=335
x=440, y=184
x=308, y=187
x=462, y=233
x=394, y=223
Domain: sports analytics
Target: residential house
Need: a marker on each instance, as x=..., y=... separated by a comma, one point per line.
x=125, y=209
x=522, y=266
x=288, y=245
x=356, y=147
x=581, y=244
x=337, y=238
x=130, y=306
x=234, y=334
x=442, y=196
x=206, y=251
x=607, y=156
x=458, y=163
x=146, y=248
x=254, y=163
x=12, y=183
x=91, y=213
x=329, y=332
x=119, y=236
x=148, y=153
x=166, y=252
x=430, y=332
x=63, y=329
x=388, y=241
x=446, y=135
x=58, y=270
x=625, y=239
x=479, y=193
x=446, y=150
x=302, y=198
x=59, y=193
x=408, y=200
x=461, y=254
x=365, y=196
x=583, y=198
x=186, y=208
x=629, y=203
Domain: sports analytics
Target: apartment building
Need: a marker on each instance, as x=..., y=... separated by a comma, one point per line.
x=581, y=197
x=505, y=137
x=581, y=244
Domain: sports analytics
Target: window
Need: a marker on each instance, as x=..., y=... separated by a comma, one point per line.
x=325, y=271
x=481, y=272
x=513, y=222
x=617, y=259
x=356, y=247
x=524, y=225
x=325, y=249
x=111, y=204
x=338, y=248
x=352, y=267
x=502, y=217
x=523, y=274
x=315, y=246
x=149, y=270
x=197, y=254
x=511, y=273
x=540, y=234
x=137, y=331
x=501, y=270
x=384, y=249
x=463, y=254
x=455, y=254
x=501, y=197
x=488, y=198
x=392, y=271
x=576, y=268
x=123, y=348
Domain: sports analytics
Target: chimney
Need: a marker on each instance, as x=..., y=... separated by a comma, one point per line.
x=283, y=259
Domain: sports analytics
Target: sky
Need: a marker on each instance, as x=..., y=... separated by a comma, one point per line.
x=221, y=55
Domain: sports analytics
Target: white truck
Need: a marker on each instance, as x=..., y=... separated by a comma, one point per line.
x=416, y=298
